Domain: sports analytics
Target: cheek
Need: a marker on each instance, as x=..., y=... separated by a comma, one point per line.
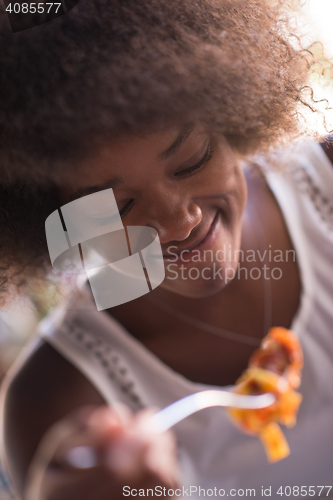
x=198, y=280
x=225, y=175
x=233, y=186
x=210, y=271
x=241, y=182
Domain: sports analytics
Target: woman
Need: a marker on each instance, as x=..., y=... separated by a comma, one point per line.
x=161, y=101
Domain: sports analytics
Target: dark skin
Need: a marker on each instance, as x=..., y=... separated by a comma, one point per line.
x=47, y=387
x=199, y=355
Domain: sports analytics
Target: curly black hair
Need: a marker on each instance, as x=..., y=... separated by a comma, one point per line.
x=110, y=67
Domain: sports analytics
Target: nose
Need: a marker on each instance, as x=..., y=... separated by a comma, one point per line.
x=176, y=218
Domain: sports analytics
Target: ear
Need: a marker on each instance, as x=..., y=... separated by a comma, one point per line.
x=327, y=145
x=26, y=14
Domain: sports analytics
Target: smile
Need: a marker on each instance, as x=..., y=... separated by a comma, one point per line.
x=206, y=243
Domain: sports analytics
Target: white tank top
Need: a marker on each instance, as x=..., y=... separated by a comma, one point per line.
x=213, y=452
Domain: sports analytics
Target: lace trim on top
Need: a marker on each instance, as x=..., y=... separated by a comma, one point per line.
x=307, y=185
x=107, y=357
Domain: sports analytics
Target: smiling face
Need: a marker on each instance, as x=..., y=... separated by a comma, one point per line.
x=188, y=186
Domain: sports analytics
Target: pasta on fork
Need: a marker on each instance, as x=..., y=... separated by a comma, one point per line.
x=275, y=368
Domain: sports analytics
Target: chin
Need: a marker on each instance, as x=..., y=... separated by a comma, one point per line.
x=187, y=284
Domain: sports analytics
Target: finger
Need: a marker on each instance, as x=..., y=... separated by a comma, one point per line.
x=81, y=457
x=105, y=421
x=83, y=427
x=84, y=436
x=119, y=440
x=125, y=458
x=139, y=450
x=161, y=453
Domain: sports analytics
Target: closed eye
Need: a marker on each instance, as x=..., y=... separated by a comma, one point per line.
x=108, y=219
x=186, y=172
x=183, y=173
x=194, y=168
x=126, y=208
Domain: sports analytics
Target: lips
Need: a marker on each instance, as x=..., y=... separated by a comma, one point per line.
x=198, y=244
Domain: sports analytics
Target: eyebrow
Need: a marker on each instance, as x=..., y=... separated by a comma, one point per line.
x=111, y=183
x=117, y=181
x=177, y=143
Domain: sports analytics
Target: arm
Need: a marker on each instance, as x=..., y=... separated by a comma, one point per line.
x=50, y=408
x=43, y=391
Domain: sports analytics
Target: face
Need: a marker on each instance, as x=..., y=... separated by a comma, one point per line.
x=186, y=184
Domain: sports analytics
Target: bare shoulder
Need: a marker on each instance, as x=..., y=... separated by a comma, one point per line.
x=287, y=289
x=261, y=198
x=42, y=391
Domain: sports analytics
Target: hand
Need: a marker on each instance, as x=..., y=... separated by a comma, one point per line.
x=114, y=449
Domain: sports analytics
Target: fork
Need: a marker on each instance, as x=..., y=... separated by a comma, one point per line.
x=183, y=408
x=84, y=457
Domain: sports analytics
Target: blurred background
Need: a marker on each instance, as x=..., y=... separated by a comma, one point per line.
x=19, y=320
x=318, y=19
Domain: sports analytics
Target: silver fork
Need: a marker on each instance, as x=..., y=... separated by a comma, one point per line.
x=84, y=457
x=177, y=411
